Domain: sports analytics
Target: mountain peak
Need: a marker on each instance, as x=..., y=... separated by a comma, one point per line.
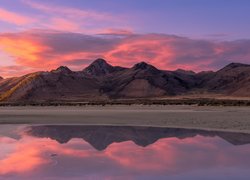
x=100, y=61
x=1, y=77
x=63, y=69
x=99, y=67
x=143, y=66
x=235, y=65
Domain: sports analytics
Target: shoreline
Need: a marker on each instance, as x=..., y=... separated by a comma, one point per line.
x=228, y=119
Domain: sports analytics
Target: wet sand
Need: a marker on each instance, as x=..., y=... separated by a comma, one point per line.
x=231, y=119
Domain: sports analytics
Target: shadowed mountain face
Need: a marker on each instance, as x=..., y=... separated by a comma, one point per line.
x=101, y=81
x=233, y=79
x=100, y=137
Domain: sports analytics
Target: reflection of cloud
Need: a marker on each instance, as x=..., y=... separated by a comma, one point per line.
x=174, y=156
x=22, y=158
x=40, y=49
x=162, y=156
x=165, y=157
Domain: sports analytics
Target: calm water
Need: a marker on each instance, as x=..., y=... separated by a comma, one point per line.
x=104, y=152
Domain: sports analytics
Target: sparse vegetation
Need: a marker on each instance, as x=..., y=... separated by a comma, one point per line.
x=197, y=102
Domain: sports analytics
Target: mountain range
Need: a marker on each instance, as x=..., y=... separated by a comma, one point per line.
x=102, y=81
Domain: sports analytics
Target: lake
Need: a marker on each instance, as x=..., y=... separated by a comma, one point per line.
x=121, y=152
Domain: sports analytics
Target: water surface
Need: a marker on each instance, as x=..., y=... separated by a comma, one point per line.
x=111, y=152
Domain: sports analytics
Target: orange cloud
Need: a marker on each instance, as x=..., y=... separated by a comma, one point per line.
x=14, y=18
x=22, y=49
x=26, y=52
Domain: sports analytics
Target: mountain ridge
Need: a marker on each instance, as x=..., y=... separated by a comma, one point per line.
x=100, y=80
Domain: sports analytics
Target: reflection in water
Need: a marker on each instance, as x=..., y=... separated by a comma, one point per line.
x=100, y=137
x=106, y=152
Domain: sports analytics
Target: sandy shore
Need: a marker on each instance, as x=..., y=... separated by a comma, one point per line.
x=234, y=119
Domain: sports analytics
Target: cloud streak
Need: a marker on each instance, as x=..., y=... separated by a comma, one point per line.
x=71, y=19
x=57, y=17
x=67, y=11
x=45, y=50
x=14, y=18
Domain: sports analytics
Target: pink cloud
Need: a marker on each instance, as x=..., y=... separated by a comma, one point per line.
x=46, y=50
x=72, y=19
x=68, y=11
x=64, y=24
x=12, y=71
x=118, y=32
x=14, y=18
x=63, y=18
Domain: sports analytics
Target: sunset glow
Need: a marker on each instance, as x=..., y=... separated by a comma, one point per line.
x=42, y=35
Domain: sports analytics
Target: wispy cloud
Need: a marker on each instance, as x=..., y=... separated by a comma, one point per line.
x=116, y=32
x=68, y=11
x=72, y=19
x=14, y=18
x=15, y=70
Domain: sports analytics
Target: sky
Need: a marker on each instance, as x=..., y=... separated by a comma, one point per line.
x=196, y=35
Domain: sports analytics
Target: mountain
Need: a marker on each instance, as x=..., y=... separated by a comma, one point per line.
x=60, y=84
x=144, y=80
x=100, y=67
x=100, y=137
x=62, y=70
x=234, y=79
x=102, y=81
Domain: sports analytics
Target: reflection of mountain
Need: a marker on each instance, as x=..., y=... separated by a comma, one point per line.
x=100, y=137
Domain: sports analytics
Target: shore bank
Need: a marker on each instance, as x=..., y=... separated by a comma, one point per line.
x=231, y=119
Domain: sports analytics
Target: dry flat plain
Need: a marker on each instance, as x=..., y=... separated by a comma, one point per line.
x=233, y=119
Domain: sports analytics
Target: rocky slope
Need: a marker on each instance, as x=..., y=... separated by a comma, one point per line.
x=234, y=79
